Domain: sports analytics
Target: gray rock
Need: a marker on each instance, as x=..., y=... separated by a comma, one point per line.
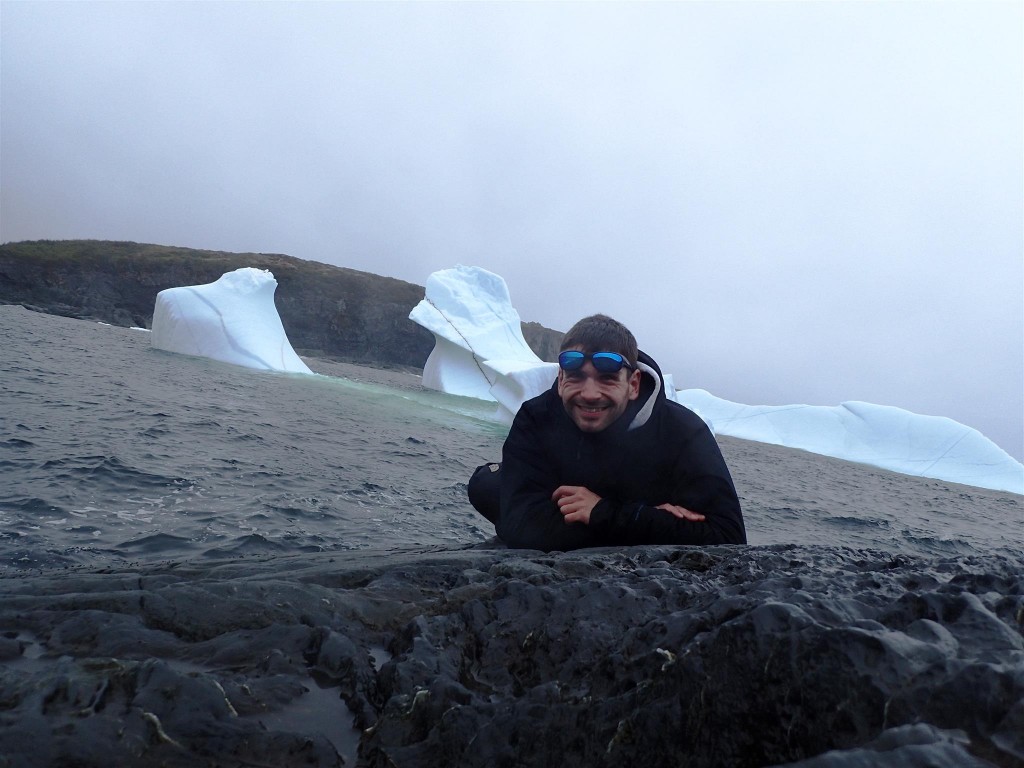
x=660, y=656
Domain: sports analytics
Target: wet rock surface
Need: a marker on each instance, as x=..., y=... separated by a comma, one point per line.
x=664, y=656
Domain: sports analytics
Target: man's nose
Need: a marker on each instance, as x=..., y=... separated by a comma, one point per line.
x=590, y=389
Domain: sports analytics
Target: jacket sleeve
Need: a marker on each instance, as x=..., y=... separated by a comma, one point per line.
x=701, y=482
x=529, y=519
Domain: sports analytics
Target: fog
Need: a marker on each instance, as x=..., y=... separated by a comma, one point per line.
x=787, y=202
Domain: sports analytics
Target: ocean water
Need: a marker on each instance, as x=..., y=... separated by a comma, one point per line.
x=113, y=452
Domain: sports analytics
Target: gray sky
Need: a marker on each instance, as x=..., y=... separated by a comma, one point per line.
x=803, y=202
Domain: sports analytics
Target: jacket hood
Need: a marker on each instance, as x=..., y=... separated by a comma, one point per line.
x=652, y=391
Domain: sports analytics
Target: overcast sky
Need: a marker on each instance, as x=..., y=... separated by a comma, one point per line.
x=802, y=202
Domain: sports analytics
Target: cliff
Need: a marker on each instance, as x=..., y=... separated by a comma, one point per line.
x=327, y=311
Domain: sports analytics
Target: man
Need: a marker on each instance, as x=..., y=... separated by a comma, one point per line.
x=604, y=458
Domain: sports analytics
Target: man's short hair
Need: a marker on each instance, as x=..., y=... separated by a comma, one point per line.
x=600, y=333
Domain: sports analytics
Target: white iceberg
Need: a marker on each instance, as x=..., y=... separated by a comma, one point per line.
x=479, y=349
x=233, y=320
x=480, y=352
x=879, y=435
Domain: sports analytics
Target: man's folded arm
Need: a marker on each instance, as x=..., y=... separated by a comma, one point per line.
x=633, y=522
x=533, y=522
x=529, y=517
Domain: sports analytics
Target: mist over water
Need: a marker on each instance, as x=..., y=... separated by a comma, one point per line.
x=111, y=451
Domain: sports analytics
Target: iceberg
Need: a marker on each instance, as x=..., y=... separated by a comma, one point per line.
x=479, y=351
x=233, y=320
x=880, y=435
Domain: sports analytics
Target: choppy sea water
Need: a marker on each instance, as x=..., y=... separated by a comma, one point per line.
x=112, y=452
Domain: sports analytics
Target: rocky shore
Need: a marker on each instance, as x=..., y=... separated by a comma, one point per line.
x=665, y=656
x=327, y=311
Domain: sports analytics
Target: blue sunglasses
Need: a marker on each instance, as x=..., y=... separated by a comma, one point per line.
x=604, y=362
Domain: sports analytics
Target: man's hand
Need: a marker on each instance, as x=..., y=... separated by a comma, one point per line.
x=682, y=512
x=575, y=502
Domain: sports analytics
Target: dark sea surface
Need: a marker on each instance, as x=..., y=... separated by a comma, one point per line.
x=113, y=452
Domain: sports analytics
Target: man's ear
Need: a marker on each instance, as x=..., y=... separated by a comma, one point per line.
x=634, y=384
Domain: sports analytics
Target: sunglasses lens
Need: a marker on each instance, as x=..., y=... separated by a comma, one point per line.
x=608, y=362
x=604, y=362
x=571, y=360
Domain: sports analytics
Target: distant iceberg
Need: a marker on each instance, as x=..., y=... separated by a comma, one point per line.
x=479, y=349
x=480, y=352
x=880, y=435
x=233, y=320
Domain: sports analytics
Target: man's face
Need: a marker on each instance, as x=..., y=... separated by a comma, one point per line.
x=594, y=400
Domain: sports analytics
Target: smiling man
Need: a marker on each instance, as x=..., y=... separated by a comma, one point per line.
x=604, y=458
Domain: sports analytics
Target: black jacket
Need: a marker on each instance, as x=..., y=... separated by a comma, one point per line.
x=657, y=452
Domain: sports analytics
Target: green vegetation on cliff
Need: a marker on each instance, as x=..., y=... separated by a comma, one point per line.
x=326, y=310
